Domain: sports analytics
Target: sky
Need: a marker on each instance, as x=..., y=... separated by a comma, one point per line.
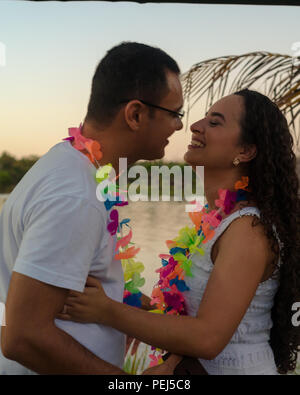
x=50, y=51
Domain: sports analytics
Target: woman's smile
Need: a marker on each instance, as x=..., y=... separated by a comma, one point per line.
x=196, y=142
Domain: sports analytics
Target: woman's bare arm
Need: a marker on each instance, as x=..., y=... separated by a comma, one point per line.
x=240, y=264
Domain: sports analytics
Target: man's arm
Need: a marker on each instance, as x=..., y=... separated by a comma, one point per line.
x=31, y=337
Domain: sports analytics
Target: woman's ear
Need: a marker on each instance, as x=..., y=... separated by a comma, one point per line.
x=134, y=114
x=248, y=153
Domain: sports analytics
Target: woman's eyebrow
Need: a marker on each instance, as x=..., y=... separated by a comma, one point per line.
x=217, y=114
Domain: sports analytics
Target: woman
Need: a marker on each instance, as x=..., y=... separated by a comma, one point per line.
x=241, y=292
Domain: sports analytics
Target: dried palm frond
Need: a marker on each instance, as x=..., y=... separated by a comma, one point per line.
x=275, y=75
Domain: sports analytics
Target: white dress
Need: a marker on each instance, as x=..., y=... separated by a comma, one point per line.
x=248, y=351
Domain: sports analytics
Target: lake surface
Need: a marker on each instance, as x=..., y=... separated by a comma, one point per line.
x=152, y=224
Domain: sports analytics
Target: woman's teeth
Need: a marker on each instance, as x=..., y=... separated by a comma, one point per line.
x=197, y=143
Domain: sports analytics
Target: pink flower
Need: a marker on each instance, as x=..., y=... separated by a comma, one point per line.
x=212, y=218
x=79, y=139
x=222, y=195
x=226, y=200
x=155, y=360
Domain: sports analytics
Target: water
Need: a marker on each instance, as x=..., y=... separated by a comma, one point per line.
x=152, y=224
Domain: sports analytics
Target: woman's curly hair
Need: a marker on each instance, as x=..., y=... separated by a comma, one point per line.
x=274, y=186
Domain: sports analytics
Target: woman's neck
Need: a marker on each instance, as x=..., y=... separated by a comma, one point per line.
x=215, y=180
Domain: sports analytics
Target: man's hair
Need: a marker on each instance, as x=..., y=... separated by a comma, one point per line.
x=129, y=70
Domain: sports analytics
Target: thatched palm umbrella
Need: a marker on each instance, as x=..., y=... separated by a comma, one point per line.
x=276, y=75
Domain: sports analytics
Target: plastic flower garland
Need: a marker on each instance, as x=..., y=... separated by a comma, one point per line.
x=168, y=294
x=125, y=250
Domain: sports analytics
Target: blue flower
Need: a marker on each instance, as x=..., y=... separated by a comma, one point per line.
x=110, y=203
x=134, y=300
x=175, y=250
x=241, y=195
x=180, y=284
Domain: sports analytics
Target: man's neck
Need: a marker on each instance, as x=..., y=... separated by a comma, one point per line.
x=111, y=146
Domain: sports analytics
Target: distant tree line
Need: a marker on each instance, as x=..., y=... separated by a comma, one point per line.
x=12, y=170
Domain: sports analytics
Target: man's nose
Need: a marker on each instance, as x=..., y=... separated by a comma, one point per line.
x=180, y=124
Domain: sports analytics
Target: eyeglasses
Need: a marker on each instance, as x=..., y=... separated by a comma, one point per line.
x=178, y=114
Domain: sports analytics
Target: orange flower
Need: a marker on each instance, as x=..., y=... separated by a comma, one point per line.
x=196, y=217
x=170, y=244
x=94, y=150
x=157, y=298
x=208, y=232
x=129, y=253
x=242, y=184
x=178, y=271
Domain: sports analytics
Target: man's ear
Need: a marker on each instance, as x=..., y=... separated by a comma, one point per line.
x=248, y=153
x=134, y=114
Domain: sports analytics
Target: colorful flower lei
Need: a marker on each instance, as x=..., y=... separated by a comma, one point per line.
x=168, y=294
x=125, y=250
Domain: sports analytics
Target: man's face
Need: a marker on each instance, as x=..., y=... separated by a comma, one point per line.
x=163, y=124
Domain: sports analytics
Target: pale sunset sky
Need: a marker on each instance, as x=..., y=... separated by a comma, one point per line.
x=50, y=51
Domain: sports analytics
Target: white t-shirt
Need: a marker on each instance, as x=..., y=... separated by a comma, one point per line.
x=53, y=229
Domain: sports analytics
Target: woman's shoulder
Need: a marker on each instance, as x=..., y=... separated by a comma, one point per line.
x=247, y=236
x=240, y=222
x=244, y=227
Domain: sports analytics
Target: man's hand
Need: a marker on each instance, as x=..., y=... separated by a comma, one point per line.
x=134, y=343
x=146, y=303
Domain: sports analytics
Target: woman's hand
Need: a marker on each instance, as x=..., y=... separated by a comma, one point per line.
x=89, y=306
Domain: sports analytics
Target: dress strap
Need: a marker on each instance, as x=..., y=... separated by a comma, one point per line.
x=253, y=211
x=245, y=211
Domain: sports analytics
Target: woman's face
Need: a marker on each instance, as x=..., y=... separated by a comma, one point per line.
x=215, y=138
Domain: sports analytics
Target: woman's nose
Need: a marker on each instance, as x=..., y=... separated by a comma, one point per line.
x=197, y=126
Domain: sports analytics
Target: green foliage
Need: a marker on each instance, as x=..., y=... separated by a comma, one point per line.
x=12, y=170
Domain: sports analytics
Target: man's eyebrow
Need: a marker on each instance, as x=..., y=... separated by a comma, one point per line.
x=217, y=114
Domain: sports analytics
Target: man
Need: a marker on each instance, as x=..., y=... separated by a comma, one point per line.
x=53, y=228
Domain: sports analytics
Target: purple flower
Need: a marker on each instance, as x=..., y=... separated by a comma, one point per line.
x=173, y=301
x=229, y=201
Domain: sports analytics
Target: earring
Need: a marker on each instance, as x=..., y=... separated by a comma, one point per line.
x=236, y=161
